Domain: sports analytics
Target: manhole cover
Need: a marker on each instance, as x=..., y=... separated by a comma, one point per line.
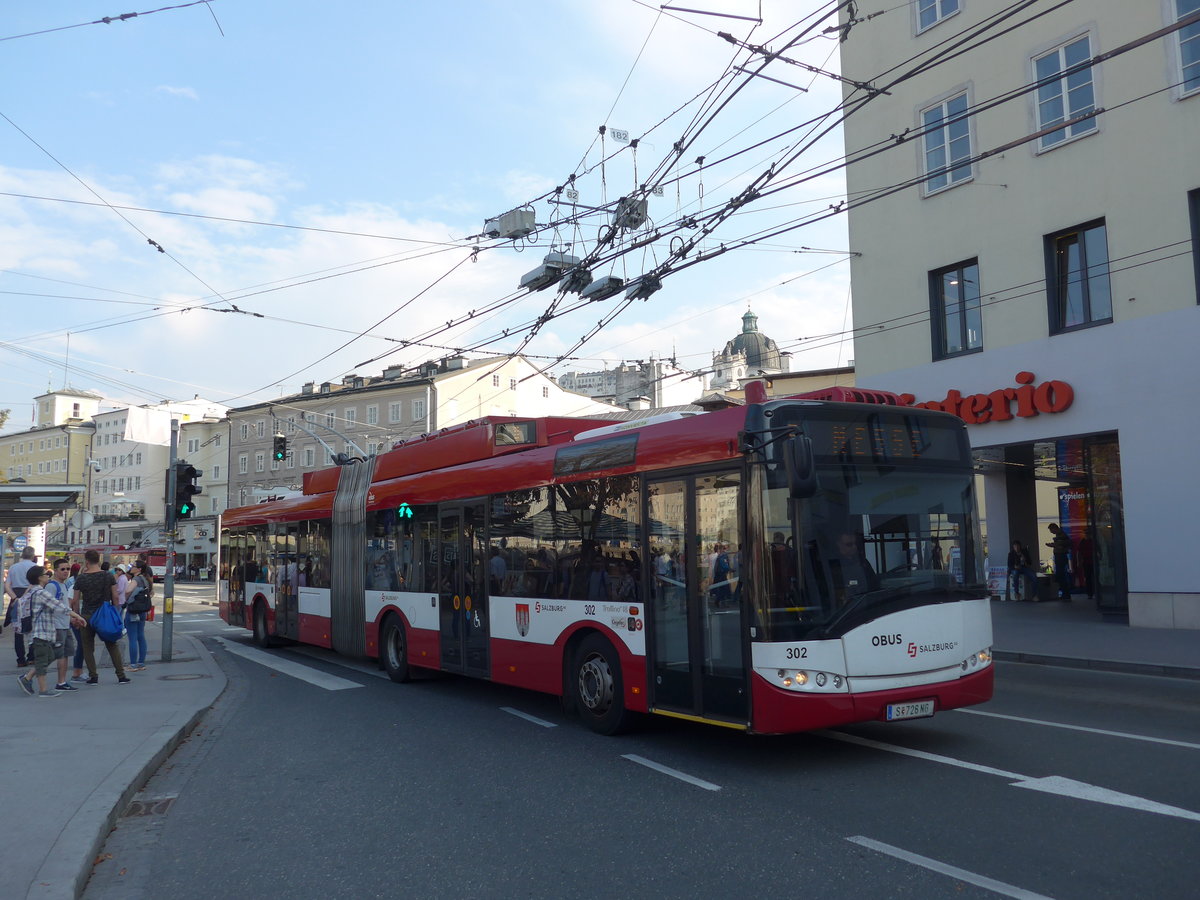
x=186, y=676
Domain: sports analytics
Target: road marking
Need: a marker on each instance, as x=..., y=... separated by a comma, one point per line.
x=674, y=773
x=528, y=718
x=916, y=859
x=287, y=667
x=1053, y=784
x=1121, y=734
x=328, y=657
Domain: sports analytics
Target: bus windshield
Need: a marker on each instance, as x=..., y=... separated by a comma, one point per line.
x=878, y=536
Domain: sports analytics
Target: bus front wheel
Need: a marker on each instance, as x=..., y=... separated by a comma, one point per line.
x=599, y=693
x=394, y=650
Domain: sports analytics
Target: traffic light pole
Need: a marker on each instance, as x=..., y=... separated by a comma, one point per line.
x=169, y=521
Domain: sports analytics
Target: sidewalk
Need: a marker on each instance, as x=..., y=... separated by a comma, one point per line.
x=1074, y=634
x=70, y=764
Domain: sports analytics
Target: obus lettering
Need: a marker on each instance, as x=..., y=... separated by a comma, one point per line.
x=1024, y=401
x=886, y=640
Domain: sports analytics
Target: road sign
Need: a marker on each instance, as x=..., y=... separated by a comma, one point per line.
x=19, y=542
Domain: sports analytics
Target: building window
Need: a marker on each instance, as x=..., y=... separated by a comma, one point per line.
x=545, y=392
x=351, y=416
x=329, y=419
x=418, y=410
x=290, y=459
x=309, y=457
x=1061, y=98
x=245, y=430
x=947, y=143
x=512, y=384
x=193, y=445
x=138, y=458
x=274, y=463
x=261, y=428
x=495, y=381
x=291, y=425
x=242, y=464
x=930, y=12
x=216, y=473
x=372, y=415
x=1077, y=277
x=1189, y=47
x=260, y=459
x=394, y=412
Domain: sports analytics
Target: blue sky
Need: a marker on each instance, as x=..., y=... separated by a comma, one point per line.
x=396, y=129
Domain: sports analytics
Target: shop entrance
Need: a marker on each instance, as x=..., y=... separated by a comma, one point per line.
x=1071, y=482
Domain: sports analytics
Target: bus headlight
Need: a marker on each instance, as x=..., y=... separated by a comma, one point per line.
x=976, y=660
x=807, y=680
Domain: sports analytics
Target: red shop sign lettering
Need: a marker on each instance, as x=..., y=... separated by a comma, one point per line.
x=1022, y=402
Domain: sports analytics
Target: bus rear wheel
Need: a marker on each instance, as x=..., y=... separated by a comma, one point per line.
x=261, y=636
x=599, y=692
x=393, y=650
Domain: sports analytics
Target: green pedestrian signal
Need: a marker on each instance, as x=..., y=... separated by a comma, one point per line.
x=185, y=489
x=279, y=448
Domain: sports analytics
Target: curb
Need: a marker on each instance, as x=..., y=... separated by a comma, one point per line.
x=1098, y=665
x=63, y=875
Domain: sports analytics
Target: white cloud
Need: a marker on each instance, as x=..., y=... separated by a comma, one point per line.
x=187, y=92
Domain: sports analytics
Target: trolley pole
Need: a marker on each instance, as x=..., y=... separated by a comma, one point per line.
x=169, y=522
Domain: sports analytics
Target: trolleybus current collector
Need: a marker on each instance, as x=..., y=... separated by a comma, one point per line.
x=786, y=565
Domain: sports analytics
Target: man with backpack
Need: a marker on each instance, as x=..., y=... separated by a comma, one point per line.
x=93, y=588
x=45, y=607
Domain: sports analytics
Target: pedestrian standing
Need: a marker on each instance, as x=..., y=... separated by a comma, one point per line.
x=46, y=607
x=1060, y=547
x=93, y=588
x=15, y=584
x=66, y=621
x=77, y=662
x=140, y=599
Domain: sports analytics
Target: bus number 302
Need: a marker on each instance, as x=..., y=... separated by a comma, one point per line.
x=797, y=653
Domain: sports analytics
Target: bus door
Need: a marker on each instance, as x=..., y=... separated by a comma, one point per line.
x=287, y=597
x=698, y=647
x=462, y=590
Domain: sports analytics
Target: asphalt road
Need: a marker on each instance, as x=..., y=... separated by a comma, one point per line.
x=323, y=779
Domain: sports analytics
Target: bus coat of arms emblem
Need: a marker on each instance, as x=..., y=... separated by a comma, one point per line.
x=523, y=619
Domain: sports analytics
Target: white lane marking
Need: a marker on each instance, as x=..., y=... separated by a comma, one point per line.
x=327, y=656
x=989, y=884
x=1121, y=734
x=1053, y=784
x=674, y=773
x=287, y=667
x=1069, y=787
x=920, y=754
x=527, y=717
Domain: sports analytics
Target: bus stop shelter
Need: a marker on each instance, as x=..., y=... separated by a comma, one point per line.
x=28, y=505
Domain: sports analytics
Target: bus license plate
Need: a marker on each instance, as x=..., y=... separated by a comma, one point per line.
x=918, y=710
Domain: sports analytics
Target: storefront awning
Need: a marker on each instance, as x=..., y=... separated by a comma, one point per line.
x=27, y=505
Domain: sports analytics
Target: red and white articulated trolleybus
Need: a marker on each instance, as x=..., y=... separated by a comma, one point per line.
x=787, y=565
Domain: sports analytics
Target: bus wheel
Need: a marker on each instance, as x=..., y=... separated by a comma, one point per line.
x=599, y=694
x=394, y=650
x=261, y=637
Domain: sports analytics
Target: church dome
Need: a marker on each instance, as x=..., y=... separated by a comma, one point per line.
x=760, y=351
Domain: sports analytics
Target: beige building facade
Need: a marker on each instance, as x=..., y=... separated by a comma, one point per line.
x=1035, y=271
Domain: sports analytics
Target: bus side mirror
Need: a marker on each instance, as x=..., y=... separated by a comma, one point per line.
x=801, y=470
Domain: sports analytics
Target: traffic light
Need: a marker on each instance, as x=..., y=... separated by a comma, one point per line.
x=280, y=448
x=185, y=489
